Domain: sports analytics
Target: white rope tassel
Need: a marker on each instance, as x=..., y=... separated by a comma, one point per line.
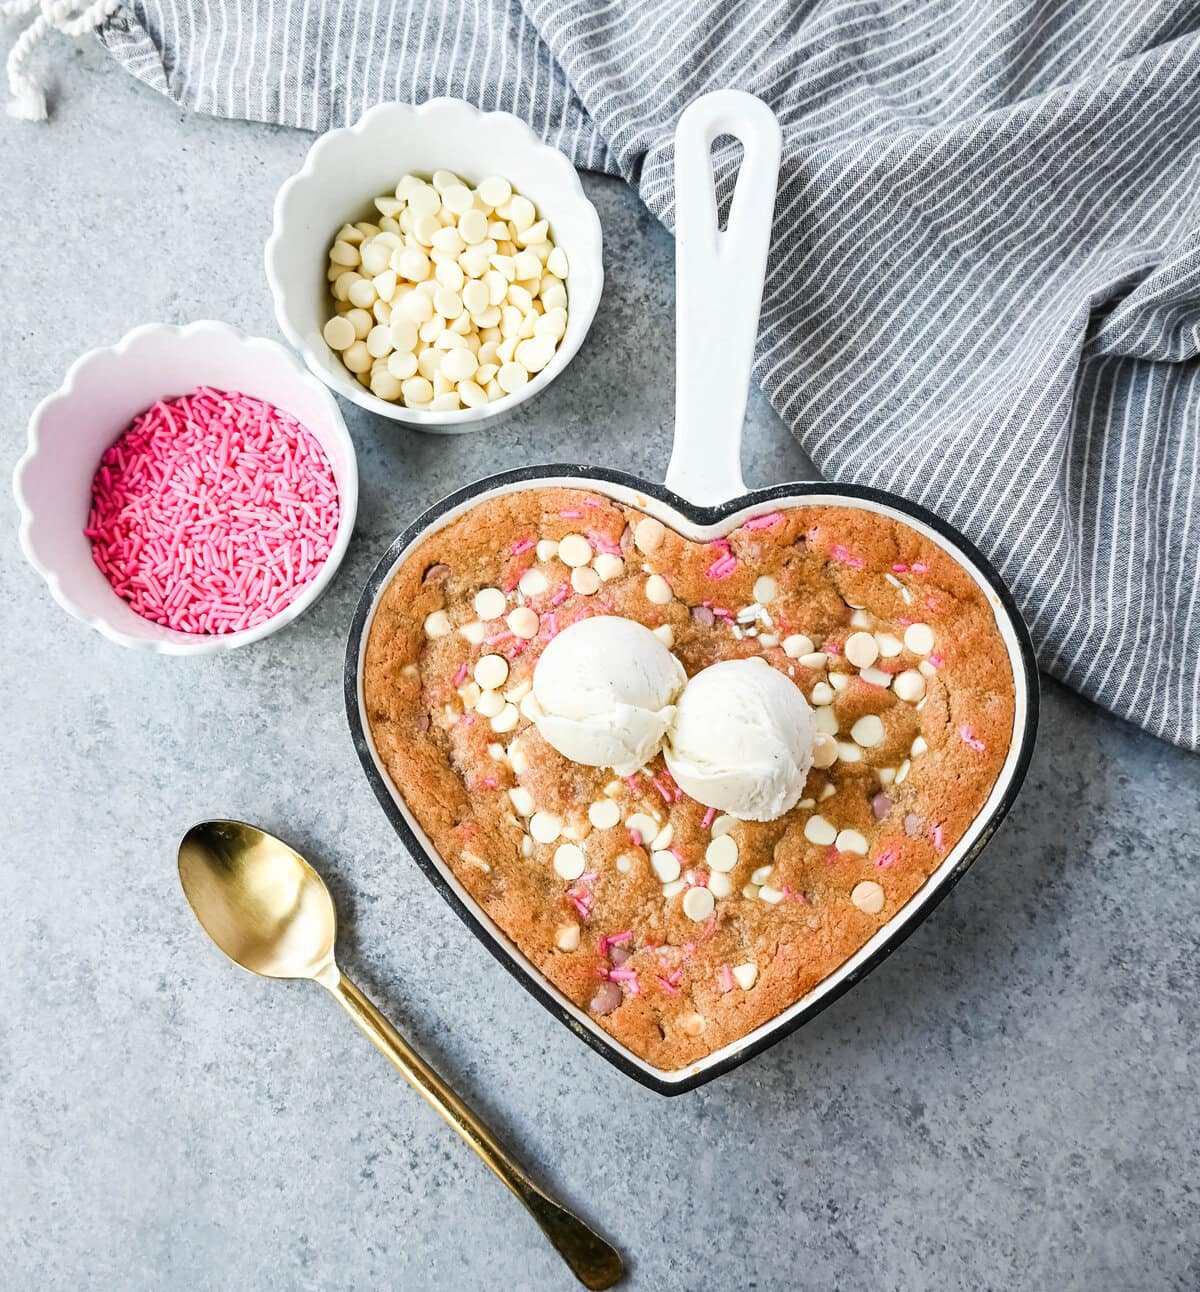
x=28, y=102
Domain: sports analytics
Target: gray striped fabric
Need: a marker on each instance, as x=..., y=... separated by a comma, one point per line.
x=984, y=289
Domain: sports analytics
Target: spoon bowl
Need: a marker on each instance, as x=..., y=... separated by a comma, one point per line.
x=258, y=900
x=270, y=912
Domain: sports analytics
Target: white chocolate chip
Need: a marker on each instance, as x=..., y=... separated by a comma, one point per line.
x=719, y=885
x=490, y=603
x=521, y=800
x=664, y=837
x=927, y=669
x=765, y=589
x=867, y=731
x=470, y=694
x=658, y=590
x=886, y=775
x=506, y=719
x=796, y=645
x=860, y=619
x=533, y=583
x=839, y=681
x=822, y=693
x=517, y=758
x=722, y=825
x=772, y=896
x=530, y=709
x=761, y=875
x=919, y=638
x=604, y=814
x=861, y=650
x=909, y=685
x=876, y=677
x=851, y=841
x=868, y=897
x=566, y=937
x=827, y=793
x=750, y=891
x=585, y=581
x=489, y=704
x=646, y=827
x=902, y=771
x=825, y=720
x=568, y=861
x=648, y=534
x=817, y=830
x=666, y=866
x=547, y=548
x=919, y=746
x=523, y=623
x=722, y=853
x=608, y=566
x=665, y=634
x=849, y=751
x=545, y=827
x=825, y=751
x=692, y=1024
x=491, y=672
x=437, y=624
x=745, y=975
x=698, y=904
x=889, y=645
x=814, y=659
x=624, y=863
x=574, y=550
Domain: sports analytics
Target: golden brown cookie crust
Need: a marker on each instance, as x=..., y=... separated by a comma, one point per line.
x=679, y=998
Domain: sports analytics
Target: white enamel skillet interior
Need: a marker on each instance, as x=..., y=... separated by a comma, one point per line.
x=703, y=499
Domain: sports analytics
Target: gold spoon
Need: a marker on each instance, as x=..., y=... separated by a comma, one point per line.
x=270, y=912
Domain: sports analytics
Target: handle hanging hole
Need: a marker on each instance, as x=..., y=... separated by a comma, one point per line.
x=725, y=157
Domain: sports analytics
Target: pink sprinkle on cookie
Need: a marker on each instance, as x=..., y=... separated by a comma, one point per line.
x=726, y=976
x=971, y=740
x=938, y=837
x=522, y=545
x=764, y=522
x=707, y=820
x=570, y=513
x=212, y=512
x=846, y=557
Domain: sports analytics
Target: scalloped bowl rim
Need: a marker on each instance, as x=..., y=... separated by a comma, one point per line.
x=581, y=308
x=185, y=643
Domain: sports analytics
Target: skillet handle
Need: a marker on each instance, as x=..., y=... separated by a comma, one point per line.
x=718, y=289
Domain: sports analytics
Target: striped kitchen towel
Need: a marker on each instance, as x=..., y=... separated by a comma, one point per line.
x=984, y=287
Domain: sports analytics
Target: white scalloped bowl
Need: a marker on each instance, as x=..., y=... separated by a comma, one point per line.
x=102, y=393
x=344, y=172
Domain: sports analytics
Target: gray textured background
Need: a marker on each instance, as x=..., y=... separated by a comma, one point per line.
x=1009, y=1102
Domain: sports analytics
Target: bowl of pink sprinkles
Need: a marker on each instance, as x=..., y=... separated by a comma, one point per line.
x=188, y=490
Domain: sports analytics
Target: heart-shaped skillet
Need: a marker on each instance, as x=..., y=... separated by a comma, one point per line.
x=710, y=407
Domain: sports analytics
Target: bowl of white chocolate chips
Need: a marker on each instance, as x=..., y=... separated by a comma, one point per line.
x=436, y=265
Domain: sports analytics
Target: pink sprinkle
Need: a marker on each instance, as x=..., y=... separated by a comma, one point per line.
x=707, y=820
x=623, y=974
x=522, y=545
x=550, y=624
x=938, y=838
x=668, y=986
x=631, y=781
x=461, y=676
x=467, y=720
x=886, y=859
x=211, y=512
x=571, y=513
x=635, y=838
x=936, y=660
x=592, y=502
x=489, y=782
x=721, y=612
x=970, y=739
x=846, y=557
x=722, y=568
x=495, y=638
x=722, y=546
x=726, y=978
x=899, y=567
x=562, y=592
x=601, y=543
x=615, y=939
x=662, y=789
x=832, y=648
x=919, y=567
x=764, y=522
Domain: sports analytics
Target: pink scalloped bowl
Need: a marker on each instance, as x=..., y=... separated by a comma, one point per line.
x=102, y=393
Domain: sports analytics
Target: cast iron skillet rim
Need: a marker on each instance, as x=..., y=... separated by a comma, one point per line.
x=700, y=516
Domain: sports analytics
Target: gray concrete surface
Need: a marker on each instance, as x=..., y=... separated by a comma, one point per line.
x=1010, y=1102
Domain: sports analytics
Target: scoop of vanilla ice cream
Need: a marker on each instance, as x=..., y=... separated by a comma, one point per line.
x=607, y=689
x=742, y=740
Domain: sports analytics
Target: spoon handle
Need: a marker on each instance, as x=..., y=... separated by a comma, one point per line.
x=594, y=1263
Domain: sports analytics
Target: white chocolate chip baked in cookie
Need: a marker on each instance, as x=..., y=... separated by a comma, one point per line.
x=680, y=928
